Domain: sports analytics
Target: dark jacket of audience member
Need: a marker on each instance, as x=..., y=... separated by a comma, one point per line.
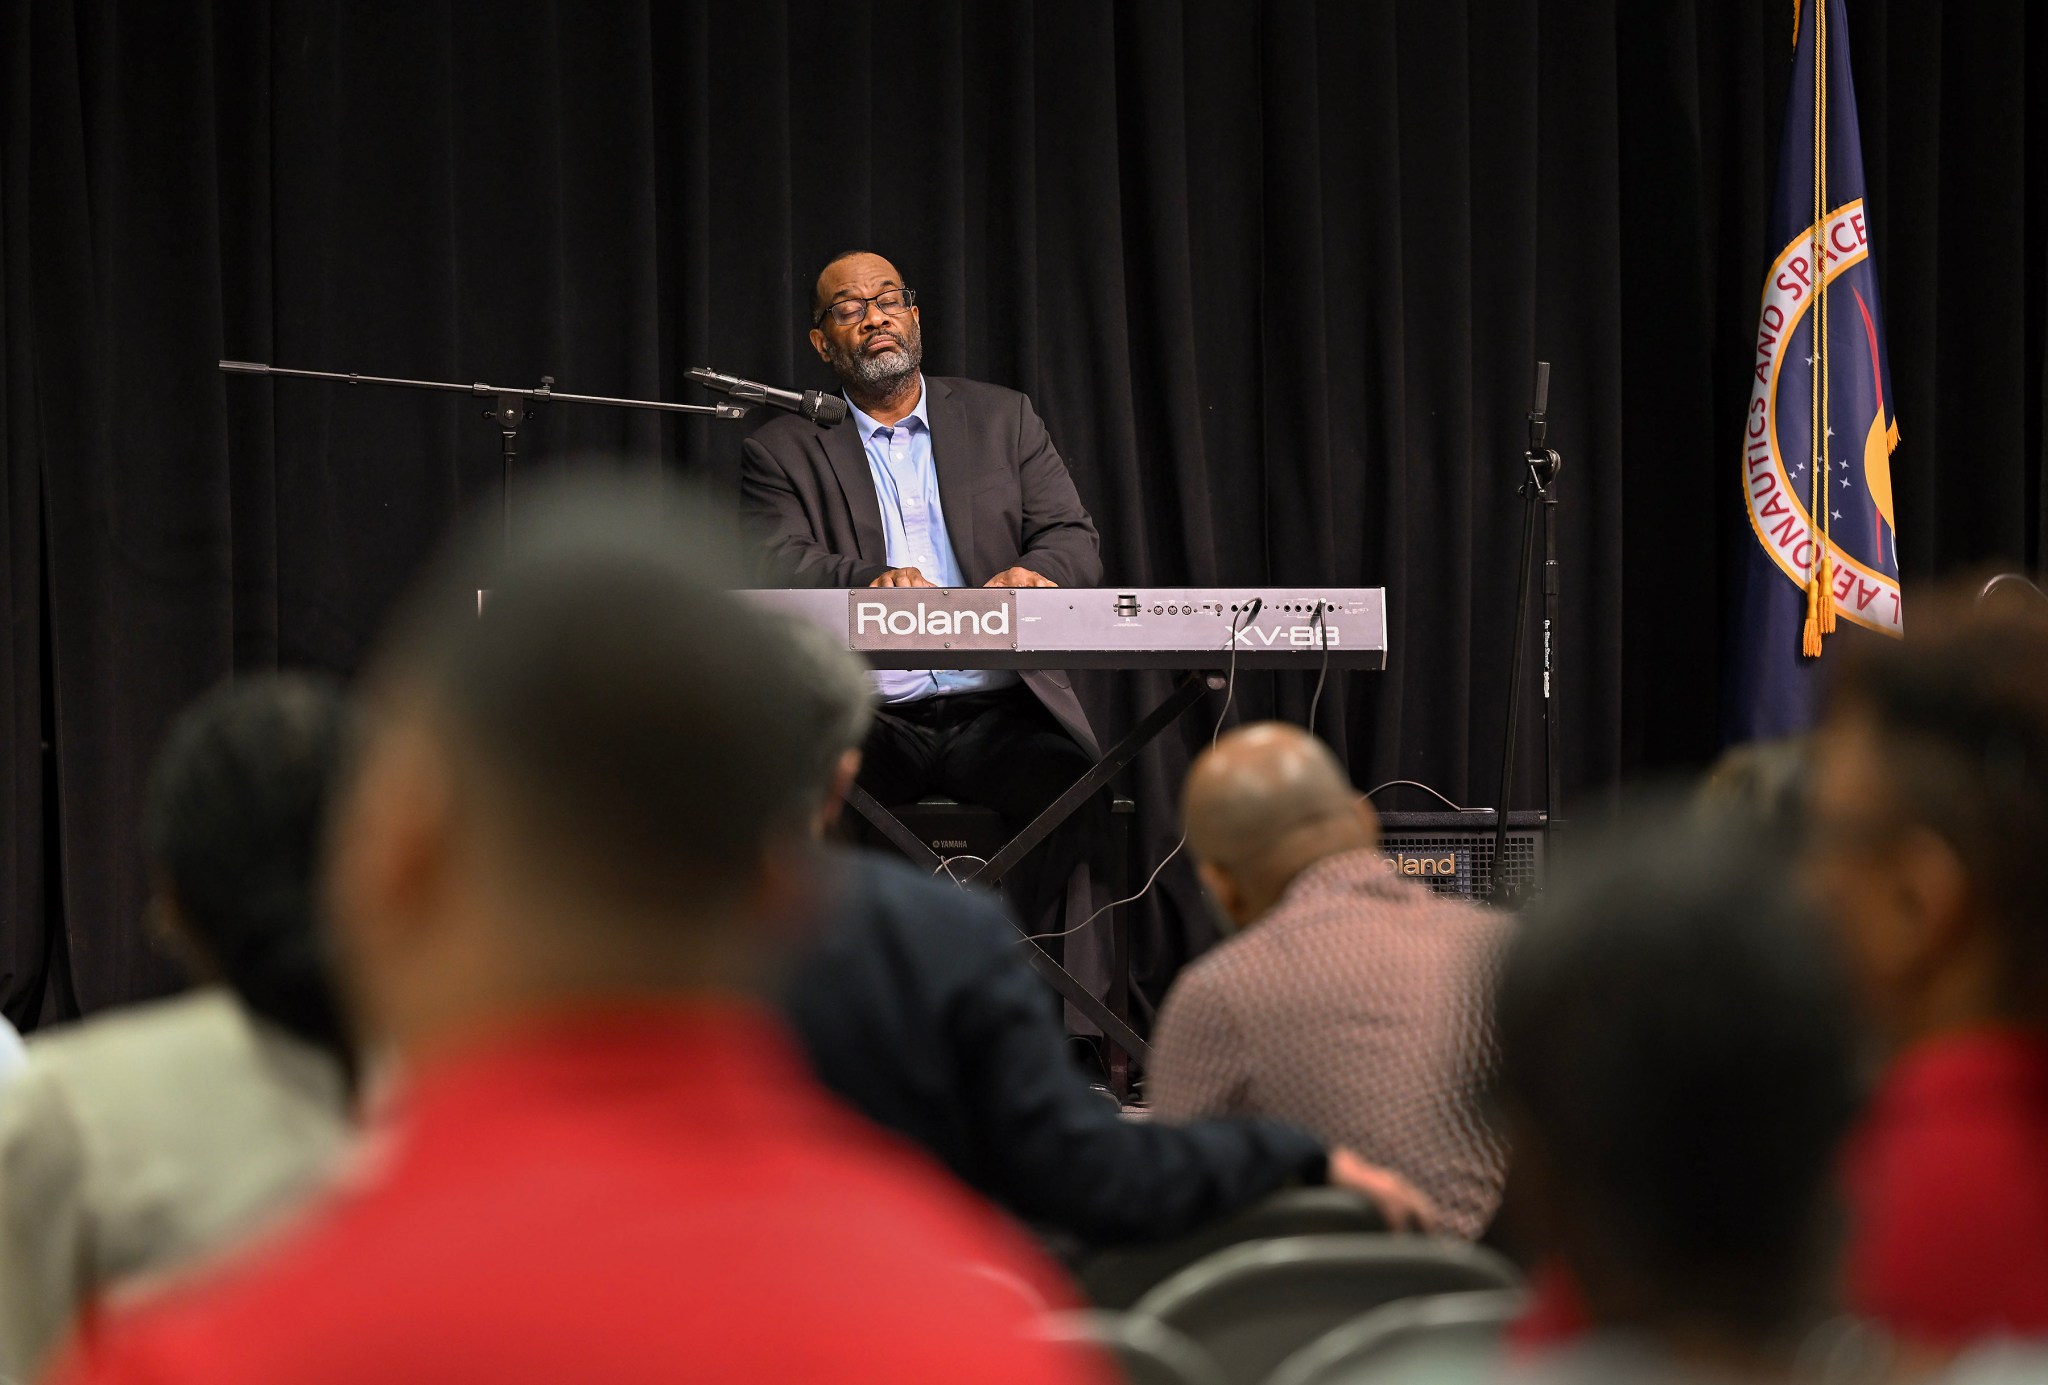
x=917, y=1009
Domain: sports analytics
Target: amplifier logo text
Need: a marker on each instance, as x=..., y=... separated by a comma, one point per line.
x=950, y=619
x=1442, y=863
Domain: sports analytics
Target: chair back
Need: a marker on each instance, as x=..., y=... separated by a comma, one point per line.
x=1148, y=1351
x=2015, y=590
x=1254, y=1305
x=1444, y=1337
x=1120, y=1276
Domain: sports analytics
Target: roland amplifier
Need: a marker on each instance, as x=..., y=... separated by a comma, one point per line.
x=1452, y=853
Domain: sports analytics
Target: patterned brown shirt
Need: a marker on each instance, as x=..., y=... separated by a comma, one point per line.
x=1356, y=1009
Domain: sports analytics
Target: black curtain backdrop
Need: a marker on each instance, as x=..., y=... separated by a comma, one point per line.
x=1273, y=273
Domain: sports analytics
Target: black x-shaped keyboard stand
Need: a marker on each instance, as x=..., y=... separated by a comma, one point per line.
x=1116, y=1027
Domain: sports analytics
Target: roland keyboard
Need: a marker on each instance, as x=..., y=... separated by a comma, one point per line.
x=1185, y=628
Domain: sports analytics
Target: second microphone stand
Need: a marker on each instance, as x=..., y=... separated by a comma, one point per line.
x=510, y=407
x=1539, y=493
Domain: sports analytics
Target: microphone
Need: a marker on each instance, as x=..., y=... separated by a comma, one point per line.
x=1539, y=405
x=819, y=408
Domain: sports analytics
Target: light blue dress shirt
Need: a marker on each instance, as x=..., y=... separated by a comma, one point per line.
x=914, y=524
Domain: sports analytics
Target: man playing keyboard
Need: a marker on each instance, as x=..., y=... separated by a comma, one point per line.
x=931, y=482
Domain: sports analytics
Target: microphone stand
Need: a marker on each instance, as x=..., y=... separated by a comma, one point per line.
x=1539, y=489
x=510, y=408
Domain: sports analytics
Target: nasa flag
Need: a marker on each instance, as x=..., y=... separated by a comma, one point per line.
x=1818, y=439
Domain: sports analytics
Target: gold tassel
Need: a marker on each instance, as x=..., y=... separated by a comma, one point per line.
x=1795, y=23
x=1820, y=608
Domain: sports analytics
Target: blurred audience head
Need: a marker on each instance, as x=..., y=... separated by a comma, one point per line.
x=1930, y=817
x=595, y=787
x=1263, y=804
x=1677, y=1069
x=841, y=708
x=233, y=822
x=1760, y=786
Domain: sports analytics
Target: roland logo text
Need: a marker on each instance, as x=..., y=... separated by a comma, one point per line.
x=874, y=619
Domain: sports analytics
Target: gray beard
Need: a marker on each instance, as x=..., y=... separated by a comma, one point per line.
x=881, y=374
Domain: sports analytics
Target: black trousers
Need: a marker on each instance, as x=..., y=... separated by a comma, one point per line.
x=999, y=749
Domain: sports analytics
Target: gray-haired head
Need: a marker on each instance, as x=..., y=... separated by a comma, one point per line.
x=839, y=692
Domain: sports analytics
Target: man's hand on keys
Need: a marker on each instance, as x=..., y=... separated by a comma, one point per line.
x=900, y=577
x=1019, y=577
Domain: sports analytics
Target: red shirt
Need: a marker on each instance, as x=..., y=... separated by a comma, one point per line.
x=1948, y=1180
x=658, y=1196
x=1556, y=1314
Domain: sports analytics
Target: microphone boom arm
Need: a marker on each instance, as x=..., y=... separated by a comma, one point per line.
x=510, y=408
x=546, y=394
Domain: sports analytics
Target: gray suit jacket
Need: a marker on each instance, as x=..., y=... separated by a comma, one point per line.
x=1007, y=497
x=140, y=1141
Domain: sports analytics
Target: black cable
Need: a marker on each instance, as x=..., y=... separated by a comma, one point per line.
x=1323, y=643
x=946, y=863
x=1215, y=734
x=1418, y=784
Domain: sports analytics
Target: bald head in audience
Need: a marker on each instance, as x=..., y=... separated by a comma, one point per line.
x=1264, y=804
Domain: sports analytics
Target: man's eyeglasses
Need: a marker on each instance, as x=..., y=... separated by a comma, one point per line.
x=848, y=311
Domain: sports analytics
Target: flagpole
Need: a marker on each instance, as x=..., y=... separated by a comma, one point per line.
x=1820, y=607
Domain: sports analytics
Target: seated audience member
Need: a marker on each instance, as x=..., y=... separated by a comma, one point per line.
x=917, y=1007
x=1677, y=1075
x=1929, y=828
x=561, y=870
x=137, y=1140
x=1350, y=1002
x=1757, y=789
